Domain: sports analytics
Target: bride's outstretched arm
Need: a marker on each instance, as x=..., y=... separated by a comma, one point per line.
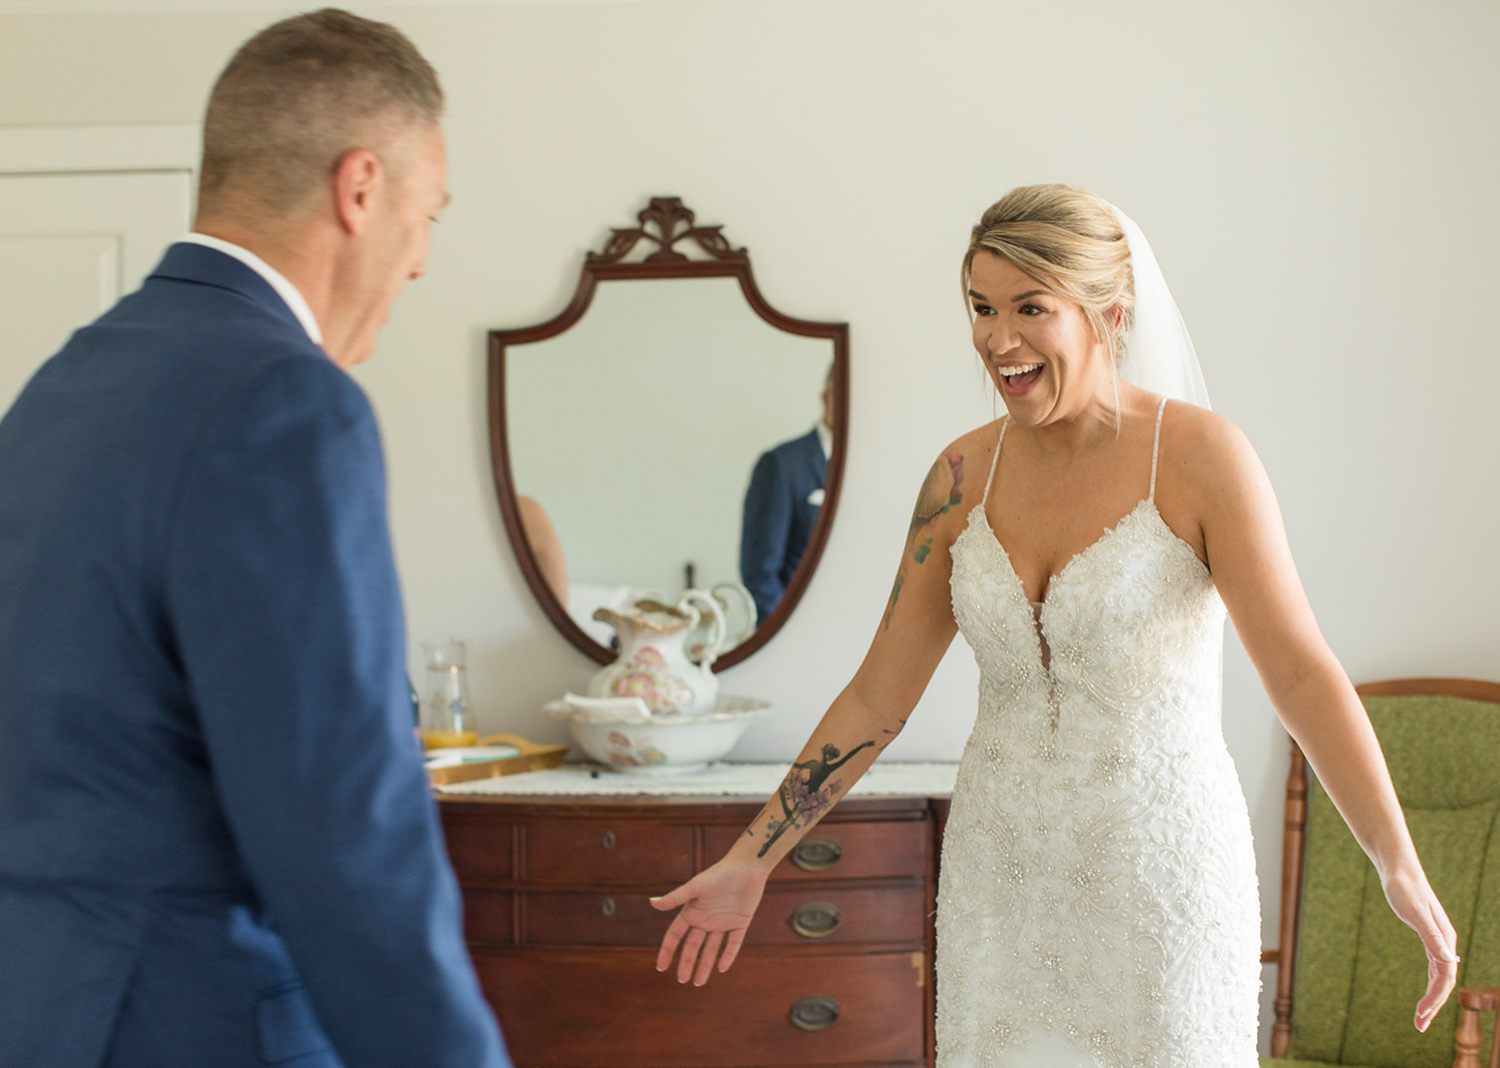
x=718, y=904
x=1246, y=549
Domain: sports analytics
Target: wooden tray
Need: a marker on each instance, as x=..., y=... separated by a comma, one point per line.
x=533, y=757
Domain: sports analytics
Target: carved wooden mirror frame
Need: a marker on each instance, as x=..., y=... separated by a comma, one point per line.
x=665, y=223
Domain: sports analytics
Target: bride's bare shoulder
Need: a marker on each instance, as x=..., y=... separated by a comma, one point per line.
x=1206, y=450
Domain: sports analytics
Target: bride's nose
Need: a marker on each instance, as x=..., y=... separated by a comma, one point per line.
x=999, y=338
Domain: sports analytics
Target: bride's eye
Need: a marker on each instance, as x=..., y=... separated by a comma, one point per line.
x=983, y=309
x=1031, y=309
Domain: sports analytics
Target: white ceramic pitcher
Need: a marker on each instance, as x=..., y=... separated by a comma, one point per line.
x=654, y=664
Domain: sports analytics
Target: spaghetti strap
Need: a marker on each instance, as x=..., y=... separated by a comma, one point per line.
x=1155, y=449
x=995, y=463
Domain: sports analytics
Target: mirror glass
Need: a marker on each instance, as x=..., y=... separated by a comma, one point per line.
x=669, y=430
x=636, y=433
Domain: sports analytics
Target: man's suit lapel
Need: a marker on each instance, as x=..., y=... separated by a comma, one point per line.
x=812, y=453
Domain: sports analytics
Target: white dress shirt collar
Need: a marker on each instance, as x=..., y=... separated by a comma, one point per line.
x=825, y=438
x=274, y=278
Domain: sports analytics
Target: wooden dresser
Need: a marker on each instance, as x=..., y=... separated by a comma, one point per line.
x=836, y=970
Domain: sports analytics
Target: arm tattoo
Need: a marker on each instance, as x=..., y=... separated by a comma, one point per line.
x=940, y=494
x=934, y=500
x=890, y=607
x=892, y=733
x=802, y=795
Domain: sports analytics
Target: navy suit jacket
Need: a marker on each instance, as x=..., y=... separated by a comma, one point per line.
x=781, y=506
x=217, y=843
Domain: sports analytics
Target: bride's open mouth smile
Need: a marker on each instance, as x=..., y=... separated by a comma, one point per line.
x=1018, y=378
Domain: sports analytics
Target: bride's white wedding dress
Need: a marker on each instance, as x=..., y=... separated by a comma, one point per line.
x=1097, y=902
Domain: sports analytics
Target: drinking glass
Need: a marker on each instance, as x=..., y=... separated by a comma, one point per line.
x=446, y=719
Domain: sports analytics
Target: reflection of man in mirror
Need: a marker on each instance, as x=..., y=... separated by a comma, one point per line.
x=781, y=506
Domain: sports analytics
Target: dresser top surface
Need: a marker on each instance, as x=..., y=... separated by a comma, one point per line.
x=719, y=784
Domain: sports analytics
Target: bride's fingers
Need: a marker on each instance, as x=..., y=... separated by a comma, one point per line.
x=1437, y=934
x=669, y=901
x=707, y=957
x=1441, y=978
x=1438, y=938
x=690, y=947
x=669, y=943
x=731, y=948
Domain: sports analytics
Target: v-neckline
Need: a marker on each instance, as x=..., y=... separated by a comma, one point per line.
x=1039, y=610
x=1052, y=580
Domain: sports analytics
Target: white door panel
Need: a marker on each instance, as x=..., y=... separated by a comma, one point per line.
x=70, y=246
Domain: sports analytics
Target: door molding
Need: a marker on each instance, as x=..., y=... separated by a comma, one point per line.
x=74, y=149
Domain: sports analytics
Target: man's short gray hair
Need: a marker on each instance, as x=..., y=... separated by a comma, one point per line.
x=299, y=95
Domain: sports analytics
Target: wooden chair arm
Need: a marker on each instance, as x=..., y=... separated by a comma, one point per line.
x=1469, y=1039
x=1487, y=1000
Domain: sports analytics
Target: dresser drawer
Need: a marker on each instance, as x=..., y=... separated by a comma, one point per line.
x=571, y=1010
x=864, y=850
x=480, y=852
x=821, y=916
x=592, y=918
x=833, y=915
x=489, y=917
x=608, y=852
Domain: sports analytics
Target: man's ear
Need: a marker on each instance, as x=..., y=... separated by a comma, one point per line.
x=356, y=179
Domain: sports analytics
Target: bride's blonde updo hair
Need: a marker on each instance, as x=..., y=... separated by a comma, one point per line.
x=1069, y=240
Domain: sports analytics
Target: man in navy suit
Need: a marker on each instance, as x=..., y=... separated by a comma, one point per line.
x=781, y=507
x=217, y=844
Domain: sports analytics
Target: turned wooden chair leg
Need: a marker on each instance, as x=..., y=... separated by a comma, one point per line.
x=1467, y=1040
x=1281, y=1030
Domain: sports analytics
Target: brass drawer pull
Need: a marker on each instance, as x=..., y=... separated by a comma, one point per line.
x=607, y=906
x=608, y=841
x=815, y=1013
x=816, y=854
x=816, y=919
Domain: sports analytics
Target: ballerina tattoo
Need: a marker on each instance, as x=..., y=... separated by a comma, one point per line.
x=802, y=797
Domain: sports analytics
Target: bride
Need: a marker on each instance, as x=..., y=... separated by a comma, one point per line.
x=1097, y=901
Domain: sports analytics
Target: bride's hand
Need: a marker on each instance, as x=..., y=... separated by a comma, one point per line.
x=717, y=907
x=1414, y=903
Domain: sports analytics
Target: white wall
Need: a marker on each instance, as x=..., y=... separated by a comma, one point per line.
x=1317, y=180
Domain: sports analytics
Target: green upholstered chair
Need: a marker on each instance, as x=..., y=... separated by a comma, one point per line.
x=1349, y=973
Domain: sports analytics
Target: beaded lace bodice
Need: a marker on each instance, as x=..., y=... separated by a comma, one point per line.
x=1097, y=882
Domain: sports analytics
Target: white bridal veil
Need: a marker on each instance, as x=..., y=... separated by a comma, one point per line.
x=1159, y=354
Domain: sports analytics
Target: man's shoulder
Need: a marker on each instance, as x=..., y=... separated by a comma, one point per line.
x=192, y=338
x=797, y=447
x=208, y=269
x=202, y=291
x=182, y=355
x=198, y=298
